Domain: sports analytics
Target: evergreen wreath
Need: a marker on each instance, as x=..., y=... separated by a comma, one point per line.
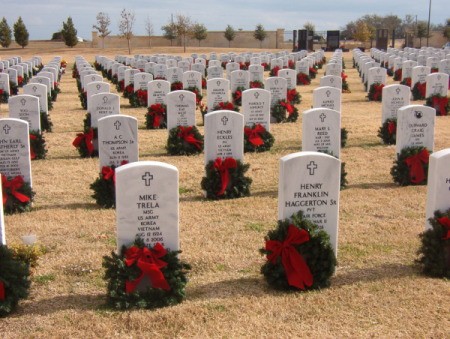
x=104, y=187
x=46, y=123
x=303, y=79
x=434, y=252
x=345, y=87
x=87, y=122
x=83, y=99
x=293, y=97
x=128, y=91
x=440, y=103
x=303, y=239
x=398, y=75
x=313, y=72
x=406, y=82
x=227, y=105
x=257, y=139
x=13, y=88
x=204, y=82
x=138, y=98
x=225, y=179
x=4, y=96
x=176, y=86
x=49, y=103
x=388, y=131
x=14, y=281
x=38, y=148
x=375, y=92
x=256, y=84
x=156, y=117
x=279, y=110
x=121, y=270
x=198, y=94
x=17, y=195
x=274, y=71
x=120, y=86
x=344, y=136
x=184, y=140
x=266, y=66
x=390, y=71
x=84, y=144
x=411, y=166
x=54, y=93
x=237, y=95
x=419, y=90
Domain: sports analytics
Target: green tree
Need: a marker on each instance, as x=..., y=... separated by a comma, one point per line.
x=199, y=32
x=260, y=34
x=126, y=24
x=446, y=30
x=422, y=30
x=170, y=32
x=103, y=23
x=229, y=34
x=5, y=33
x=362, y=32
x=21, y=34
x=69, y=33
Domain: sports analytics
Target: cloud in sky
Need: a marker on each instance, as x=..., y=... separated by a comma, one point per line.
x=44, y=18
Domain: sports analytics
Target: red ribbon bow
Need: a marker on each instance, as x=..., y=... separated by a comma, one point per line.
x=303, y=79
x=87, y=138
x=14, y=184
x=254, y=134
x=377, y=91
x=275, y=70
x=391, y=127
x=445, y=222
x=223, y=167
x=344, y=76
x=288, y=107
x=414, y=162
x=157, y=111
x=297, y=271
x=149, y=263
x=2, y=291
x=142, y=97
x=226, y=105
x=291, y=94
x=440, y=104
x=237, y=95
x=422, y=88
x=187, y=135
x=32, y=152
x=108, y=173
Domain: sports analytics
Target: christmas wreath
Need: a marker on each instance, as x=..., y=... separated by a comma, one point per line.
x=299, y=255
x=198, y=94
x=225, y=179
x=237, y=95
x=344, y=136
x=184, y=140
x=406, y=82
x=291, y=64
x=419, y=90
x=138, y=98
x=13, y=88
x=54, y=92
x=124, y=272
x=20, y=81
x=104, y=187
x=388, y=131
x=411, y=166
x=243, y=66
x=303, y=79
x=293, y=97
x=434, y=252
x=274, y=71
x=83, y=99
x=17, y=195
x=375, y=92
x=398, y=75
x=38, y=148
x=14, y=281
x=313, y=72
x=439, y=103
x=156, y=117
x=257, y=139
x=120, y=86
x=345, y=87
x=278, y=112
x=227, y=105
x=204, y=83
x=390, y=71
x=128, y=91
x=84, y=144
x=256, y=84
x=176, y=86
x=49, y=103
x=4, y=96
x=434, y=69
x=266, y=66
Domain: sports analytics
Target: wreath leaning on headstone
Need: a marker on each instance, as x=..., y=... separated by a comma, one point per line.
x=17, y=194
x=4, y=96
x=156, y=116
x=38, y=148
x=299, y=255
x=440, y=103
x=14, y=281
x=411, y=166
x=434, y=252
x=184, y=140
x=375, y=92
x=279, y=110
x=225, y=179
x=257, y=139
x=46, y=123
x=419, y=90
x=388, y=131
x=104, y=187
x=124, y=272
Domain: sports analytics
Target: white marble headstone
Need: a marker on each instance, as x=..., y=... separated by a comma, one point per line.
x=437, y=84
x=40, y=91
x=310, y=182
x=331, y=81
x=218, y=90
x=157, y=92
x=192, y=79
x=181, y=107
x=4, y=82
x=256, y=107
x=26, y=107
x=102, y=105
x=239, y=78
x=43, y=81
x=327, y=97
x=2, y=220
x=278, y=89
x=290, y=76
x=394, y=97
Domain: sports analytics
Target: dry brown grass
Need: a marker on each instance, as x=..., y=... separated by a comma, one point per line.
x=376, y=292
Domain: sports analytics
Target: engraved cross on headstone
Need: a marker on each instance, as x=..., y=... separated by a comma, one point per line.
x=312, y=166
x=322, y=117
x=224, y=120
x=117, y=124
x=147, y=177
x=6, y=128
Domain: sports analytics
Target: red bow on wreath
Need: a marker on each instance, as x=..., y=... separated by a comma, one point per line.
x=237, y=95
x=445, y=222
x=391, y=127
x=440, y=104
x=2, y=291
x=226, y=105
x=13, y=185
x=108, y=173
x=254, y=134
x=157, y=111
x=87, y=138
x=32, y=152
x=288, y=107
x=377, y=91
x=422, y=88
x=303, y=79
x=297, y=271
x=291, y=93
x=344, y=76
x=187, y=135
x=149, y=263
x=224, y=169
x=415, y=163
x=275, y=71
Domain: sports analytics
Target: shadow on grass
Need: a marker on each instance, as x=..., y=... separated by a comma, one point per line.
x=269, y=194
x=192, y=198
x=73, y=206
x=365, y=145
x=373, y=185
x=371, y=274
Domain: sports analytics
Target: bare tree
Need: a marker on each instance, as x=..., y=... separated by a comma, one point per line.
x=126, y=26
x=149, y=30
x=199, y=32
x=184, y=28
x=103, y=23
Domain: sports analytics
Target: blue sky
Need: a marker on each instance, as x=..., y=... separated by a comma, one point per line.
x=42, y=18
